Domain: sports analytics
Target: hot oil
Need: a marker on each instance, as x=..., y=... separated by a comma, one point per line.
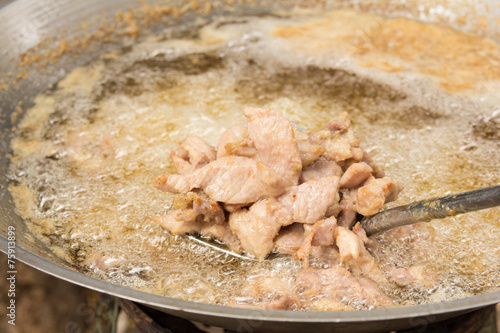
x=87, y=153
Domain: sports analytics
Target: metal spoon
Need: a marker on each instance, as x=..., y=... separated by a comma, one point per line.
x=427, y=210
x=422, y=211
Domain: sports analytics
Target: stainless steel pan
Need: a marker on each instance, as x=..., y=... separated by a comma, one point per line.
x=24, y=23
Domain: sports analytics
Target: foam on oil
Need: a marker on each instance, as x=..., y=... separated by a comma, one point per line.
x=87, y=152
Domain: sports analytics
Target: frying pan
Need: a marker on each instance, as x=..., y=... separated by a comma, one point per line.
x=23, y=25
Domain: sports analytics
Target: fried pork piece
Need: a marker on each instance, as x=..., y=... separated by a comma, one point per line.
x=178, y=222
x=355, y=175
x=273, y=136
x=335, y=209
x=232, y=207
x=377, y=172
x=412, y=275
x=290, y=238
x=223, y=233
x=270, y=293
x=360, y=232
x=205, y=209
x=257, y=226
x=336, y=147
x=338, y=284
x=338, y=140
x=192, y=153
x=309, y=152
x=377, y=192
x=416, y=238
x=347, y=215
x=309, y=201
x=325, y=232
x=242, y=180
x=194, y=212
x=229, y=179
x=320, y=168
x=322, y=233
x=326, y=255
x=354, y=255
x=190, y=210
x=235, y=141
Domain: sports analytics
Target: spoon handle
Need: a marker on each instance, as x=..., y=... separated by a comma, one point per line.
x=424, y=211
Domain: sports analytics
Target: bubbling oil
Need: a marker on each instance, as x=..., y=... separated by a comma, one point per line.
x=86, y=154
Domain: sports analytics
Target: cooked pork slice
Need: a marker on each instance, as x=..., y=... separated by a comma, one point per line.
x=229, y=179
x=309, y=152
x=201, y=204
x=355, y=175
x=401, y=276
x=178, y=222
x=319, y=137
x=357, y=154
x=377, y=171
x=223, y=233
x=347, y=215
x=190, y=210
x=340, y=285
x=270, y=209
x=372, y=196
x=326, y=255
x=322, y=233
x=305, y=248
x=273, y=136
x=240, y=180
x=337, y=148
x=338, y=140
x=290, y=238
x=192, y=153
x=391, y=191
x=270, y=293
x=235, y=141
x=257, y=226
x=334, y=210
x=325, y=233
x=185, y=166
x=354, y=255
x=284, y=302
x=353, y=193
x=309, y=201
x=342, y=125
x=360, y=232
x=320, y=168
x=412, y=275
